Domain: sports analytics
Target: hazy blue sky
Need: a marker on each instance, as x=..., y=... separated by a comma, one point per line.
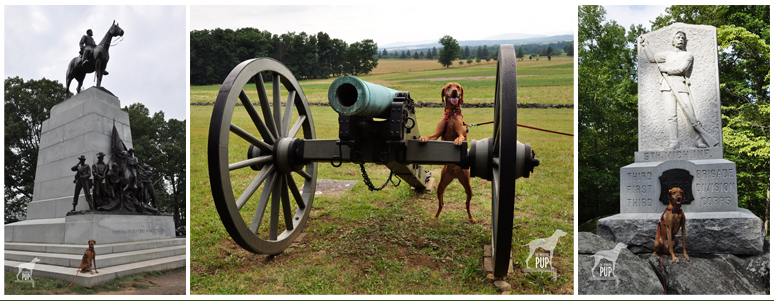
x=402, y=21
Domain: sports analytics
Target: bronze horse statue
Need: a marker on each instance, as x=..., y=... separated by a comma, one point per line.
x=97, y=62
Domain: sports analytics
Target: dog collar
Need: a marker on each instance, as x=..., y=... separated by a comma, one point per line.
x=451, y=113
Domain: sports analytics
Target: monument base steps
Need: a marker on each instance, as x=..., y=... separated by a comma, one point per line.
x=61, y=261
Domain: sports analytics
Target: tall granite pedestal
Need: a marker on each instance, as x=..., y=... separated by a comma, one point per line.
x=126, y=243
x=714, y=222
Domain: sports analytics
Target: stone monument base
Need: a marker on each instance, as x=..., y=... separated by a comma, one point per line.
x=736, y=232
x=102, y=227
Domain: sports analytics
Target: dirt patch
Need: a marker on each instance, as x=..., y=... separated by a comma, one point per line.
x=172, y=283
x=333, y=187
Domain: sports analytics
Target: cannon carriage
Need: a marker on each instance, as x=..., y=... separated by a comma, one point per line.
x=376, y=125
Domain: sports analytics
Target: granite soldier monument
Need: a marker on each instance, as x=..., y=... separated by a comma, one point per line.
x=680, y=145
x=134, y=237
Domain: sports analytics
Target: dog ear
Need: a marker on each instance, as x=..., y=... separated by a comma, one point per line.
x=461, y=99
x=443, y=93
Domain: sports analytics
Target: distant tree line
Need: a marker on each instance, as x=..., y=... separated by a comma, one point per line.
x=214, y=53
x=482, y=52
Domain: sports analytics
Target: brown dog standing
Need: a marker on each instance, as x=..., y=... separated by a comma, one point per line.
x=451, y=128
x=89, y=258
x=671, y=221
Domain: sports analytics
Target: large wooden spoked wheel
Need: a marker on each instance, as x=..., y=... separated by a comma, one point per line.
x=262, y=199
x=504, y=160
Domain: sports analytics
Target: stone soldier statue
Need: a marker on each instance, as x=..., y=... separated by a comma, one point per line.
x=82, y=175
x=146, y=178
x=99, y=170
x=675, y=89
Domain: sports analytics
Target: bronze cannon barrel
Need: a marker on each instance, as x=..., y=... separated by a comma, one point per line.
x=350, y=95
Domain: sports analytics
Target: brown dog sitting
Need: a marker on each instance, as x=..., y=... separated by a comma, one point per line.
x=671, y=221
x=451, y=128
x=89, y=258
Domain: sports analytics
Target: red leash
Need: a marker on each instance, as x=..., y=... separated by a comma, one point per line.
x=524, y=126
x=71, y=283
x=662, y=272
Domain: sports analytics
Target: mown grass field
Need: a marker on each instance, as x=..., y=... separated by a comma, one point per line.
x=543, y=81
x=385, y=242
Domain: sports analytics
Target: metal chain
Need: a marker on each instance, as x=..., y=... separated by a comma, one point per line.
x=370, y=185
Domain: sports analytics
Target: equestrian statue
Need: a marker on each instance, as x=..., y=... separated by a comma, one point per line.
x=94, y=57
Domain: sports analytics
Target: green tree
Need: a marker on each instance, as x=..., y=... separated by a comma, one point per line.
x=466, y=53
x=395, y=54
x=361, y=57
x=416, y=55
x=470, y=61
x=403, y=55
x=27, y=105
x=568, y=49
x=485, y=52
x=461, y=62
x=745, y=89
x=520, y=53
x=449, y=52
x=607, y=109
x=549, y=51
x=384, y=53
x=429, y=55
x=435, y=53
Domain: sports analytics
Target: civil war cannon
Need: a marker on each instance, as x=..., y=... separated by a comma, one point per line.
x=376, y=125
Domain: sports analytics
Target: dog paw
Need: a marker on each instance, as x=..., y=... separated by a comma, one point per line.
x=472, y=220
x=423, y=139
x=675, y=260
x=459, y=140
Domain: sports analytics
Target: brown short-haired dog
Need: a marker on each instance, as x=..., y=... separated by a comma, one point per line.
x=671, y=221
x=451, y=128
x=89, y=258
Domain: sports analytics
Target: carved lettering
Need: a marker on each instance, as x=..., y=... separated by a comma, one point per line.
x=684, y=154
x=715, y=173
x=715, y=201
x=716, y=187
x=639, y=202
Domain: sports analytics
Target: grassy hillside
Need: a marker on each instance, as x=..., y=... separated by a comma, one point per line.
x=385, y=242
x=543, y=81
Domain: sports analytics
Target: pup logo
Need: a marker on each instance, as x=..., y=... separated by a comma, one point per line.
x=606, y=270
x=543, y=261
x=25, y=270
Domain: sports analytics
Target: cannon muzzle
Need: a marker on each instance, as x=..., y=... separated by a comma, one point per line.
x=350, y=95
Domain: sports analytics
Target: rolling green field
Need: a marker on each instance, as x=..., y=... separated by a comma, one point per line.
x=543, y=82
x=385, y=242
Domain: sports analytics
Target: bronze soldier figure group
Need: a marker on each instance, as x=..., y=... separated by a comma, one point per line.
x=120, y=186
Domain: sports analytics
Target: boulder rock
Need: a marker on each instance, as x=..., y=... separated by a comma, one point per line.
x=631, y=275
x=755, y=268
x=705, y=275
